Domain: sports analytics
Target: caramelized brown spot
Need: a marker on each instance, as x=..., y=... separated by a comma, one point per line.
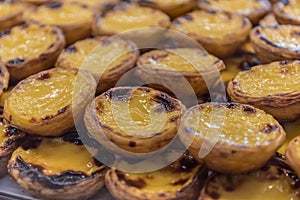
x=71, y=49
x=168, y=103
x=54, y=5
x=284, y=62
x=232, y=105
x=72, y=138
x=7, y=144
x=119, y=94
x=249, y=110
x=269, y=128
x=32, y=120
x=47, y=117
x=4, y=33
x=284, y=70
x=174, y=119
x=12, y=131
x=64, y=109
x=31, y=143
x=214, y=195
x=180, y=182
x=187, y=17
x=132, y=144
x=16, y=61
x=44, y=76
x=138, y=183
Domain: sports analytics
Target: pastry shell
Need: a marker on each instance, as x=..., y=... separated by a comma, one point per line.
x=286, y=12
x=275, y=95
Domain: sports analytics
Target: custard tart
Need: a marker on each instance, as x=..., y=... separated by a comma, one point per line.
x=28, y=49
x=272, y=87
x=287, y=12
x=56, y=168
x=10, y=138
x=44, y=103
x=268, y=20
x=171, y=7
x=277, y=42
x=292, y=130
x=182, y=179
x=272, y=181
x=168, y=67
x=134, y=121
x=107, y=59
x=230, y=137
x=293, y=155
x=252, y=9
x=127, y=17
x=220, y=33
x=98, y=5
x=11, y=14
x=73, y=18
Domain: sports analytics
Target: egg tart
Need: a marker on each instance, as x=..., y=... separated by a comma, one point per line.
x=171, y=7
x=133, y=121
x=277, y=42
x=268, y=20
x=182, y=179
x=107, y=59
x=269, y=87
x=28, y=49
x=292, y=154
x=287, y=12
x=56, y=168
x=73, y=18
x=169, y=66
x=230, y=137
x=10, y=138
x=220, y=33
x=252, y=9
x=98, y=5
x=44, y=103
x=272, y=181
x=10, y=14
x=127, y=17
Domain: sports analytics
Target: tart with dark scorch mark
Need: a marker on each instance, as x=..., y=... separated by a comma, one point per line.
x=56, y=168
x=287, y=12
x=277, y=42
x=231, y=137
x=29, y=49
x=134, y=121
x=46, y=103
x=272, y=87
x=182, y=179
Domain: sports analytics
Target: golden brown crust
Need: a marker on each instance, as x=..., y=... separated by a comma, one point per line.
x=129, y=145
x=20, y=69
x=283, y=106
x=267, y=50
x=4, y=78
x=40, y=2
x=223, y=45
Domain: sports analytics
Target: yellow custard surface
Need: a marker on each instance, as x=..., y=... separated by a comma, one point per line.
x=181, y=59
x=26, y=43
x=292, y=8
x=38, y=97
x=131, y=17
x=214, y=25
x=233, y=126
x=7, y=9
x=65, y=14
x=56, y=156
x=137, y=114
x=271, y=79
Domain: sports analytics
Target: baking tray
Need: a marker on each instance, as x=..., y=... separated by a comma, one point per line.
x=10, y=190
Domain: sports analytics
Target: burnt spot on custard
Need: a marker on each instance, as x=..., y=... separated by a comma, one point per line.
x=187, y=17
x=168, y=103
x=174, y=119
x=269, y=128
x=186, y=164
x=45, y=76
x=54, y=6
x=16, y=61
x=31, y=143
x=176, y=22
x=267, y=41
x=295, y=33
x=231, y=105
x=33, y=173
x=284, y=62
x=137, y=183
x=63, y=110
x=120, y=94
x=71, y=49
x=146, y=2
x=12, y=131
x=160, y=55
x=7, y=143
x=33, y=120
x=248, y=110
x=5, y=33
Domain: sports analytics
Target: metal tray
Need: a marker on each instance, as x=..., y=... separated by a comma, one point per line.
x=10, y=190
